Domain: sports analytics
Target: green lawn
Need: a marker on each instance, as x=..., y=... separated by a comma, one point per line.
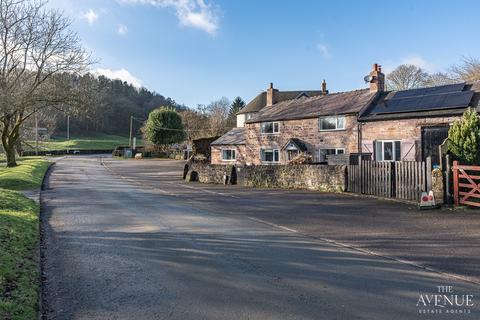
x=19, y=283
x=27, y=175
x=19, y=236
x=100, y=142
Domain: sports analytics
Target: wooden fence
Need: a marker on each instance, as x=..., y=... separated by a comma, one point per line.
x=401, y=179
x=466, y=187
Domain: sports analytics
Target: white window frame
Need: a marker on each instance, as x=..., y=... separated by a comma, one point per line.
x=263, y=150
x=232, y=152
x=383, y=150
x=273, y=127
x=332, y=148
x=337, y=128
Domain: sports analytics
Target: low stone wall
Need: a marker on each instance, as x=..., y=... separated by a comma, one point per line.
x=208, y=173
x=314, y=177
x=318, y=177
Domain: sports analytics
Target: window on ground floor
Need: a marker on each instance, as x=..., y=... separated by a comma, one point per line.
x=387, y=150
x=228, y=154
x=270, y=155
x=323, y=153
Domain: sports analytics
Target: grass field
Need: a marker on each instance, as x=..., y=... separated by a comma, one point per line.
x=99, y=142
x=19, y=236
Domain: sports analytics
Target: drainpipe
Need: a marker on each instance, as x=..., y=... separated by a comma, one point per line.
x=359, y=137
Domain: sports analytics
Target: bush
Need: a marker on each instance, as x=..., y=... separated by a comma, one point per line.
x=164, y=127
x=464, y=138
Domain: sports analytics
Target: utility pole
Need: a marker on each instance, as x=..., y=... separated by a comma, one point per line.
x=36, y=134
x=131, y=131
x=68, y=127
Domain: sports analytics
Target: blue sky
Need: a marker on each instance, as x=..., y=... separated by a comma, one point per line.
x=197, y=51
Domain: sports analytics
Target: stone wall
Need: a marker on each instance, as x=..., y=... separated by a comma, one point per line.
x=205, y=172
x=313, y=177
x=305, y=130
x=408, y=131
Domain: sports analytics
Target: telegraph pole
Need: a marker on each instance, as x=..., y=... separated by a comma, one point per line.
x=68, y=127
x=131, y=130
x=36, y=134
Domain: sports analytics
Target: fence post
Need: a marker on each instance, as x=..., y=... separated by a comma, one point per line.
x=429, y=174
x=455, y=182
x=448, y=170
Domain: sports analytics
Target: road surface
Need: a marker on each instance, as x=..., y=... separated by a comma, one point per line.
x=118, y=247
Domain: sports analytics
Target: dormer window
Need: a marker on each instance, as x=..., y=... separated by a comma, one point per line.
x=270, y=128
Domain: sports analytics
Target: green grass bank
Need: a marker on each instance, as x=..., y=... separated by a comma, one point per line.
x=19, y=238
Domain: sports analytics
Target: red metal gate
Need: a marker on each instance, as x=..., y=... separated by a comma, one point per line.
x=465, y=186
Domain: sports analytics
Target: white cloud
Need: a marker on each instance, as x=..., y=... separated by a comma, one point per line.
x=120, y=74
x=122, y=29
x=91, y=16
x=324, y=50
x=190, y=13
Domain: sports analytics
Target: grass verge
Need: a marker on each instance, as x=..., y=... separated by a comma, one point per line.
x=27, y=175
x=19, y=237
x=19, y=283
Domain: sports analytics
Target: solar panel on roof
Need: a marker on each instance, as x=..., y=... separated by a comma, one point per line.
x=449, y=88
x=450, y=100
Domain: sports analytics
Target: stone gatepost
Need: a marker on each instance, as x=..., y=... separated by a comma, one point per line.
x=437, y=186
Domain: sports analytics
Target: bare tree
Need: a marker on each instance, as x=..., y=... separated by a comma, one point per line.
x=217, y=112
x=38, y=55
x=196, y=124
x=467, y=70
x=407, y=76
x=439, y=78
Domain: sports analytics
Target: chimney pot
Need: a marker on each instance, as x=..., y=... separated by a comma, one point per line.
x=324, y=87
x=377, y=84
x=271, y=95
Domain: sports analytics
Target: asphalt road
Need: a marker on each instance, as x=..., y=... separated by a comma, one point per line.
x=129, y=240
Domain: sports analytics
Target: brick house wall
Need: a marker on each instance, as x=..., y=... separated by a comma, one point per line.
x=408, y=131
x=216, y=156
x=306, y=130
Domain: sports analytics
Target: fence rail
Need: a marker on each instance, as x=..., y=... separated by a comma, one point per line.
x=466, y=186
x=401, y=179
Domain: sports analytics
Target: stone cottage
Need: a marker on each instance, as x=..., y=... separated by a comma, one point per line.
x=411, y=124
x=230, y=148
x=388, y=125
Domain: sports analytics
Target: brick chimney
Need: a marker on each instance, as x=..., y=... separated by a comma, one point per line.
x=324, y=88
x=271, y=95
x=377, y=79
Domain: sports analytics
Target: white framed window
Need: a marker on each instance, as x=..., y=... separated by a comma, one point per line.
x=270, y=155
x=249, y=116
x=270, y=127
x=229, y=155
x=324, y=152
x=388, y=150
x=331, y=123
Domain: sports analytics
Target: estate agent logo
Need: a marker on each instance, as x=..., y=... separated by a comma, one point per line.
x=444, y=301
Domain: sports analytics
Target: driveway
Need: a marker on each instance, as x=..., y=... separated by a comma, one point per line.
x=130, y=240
